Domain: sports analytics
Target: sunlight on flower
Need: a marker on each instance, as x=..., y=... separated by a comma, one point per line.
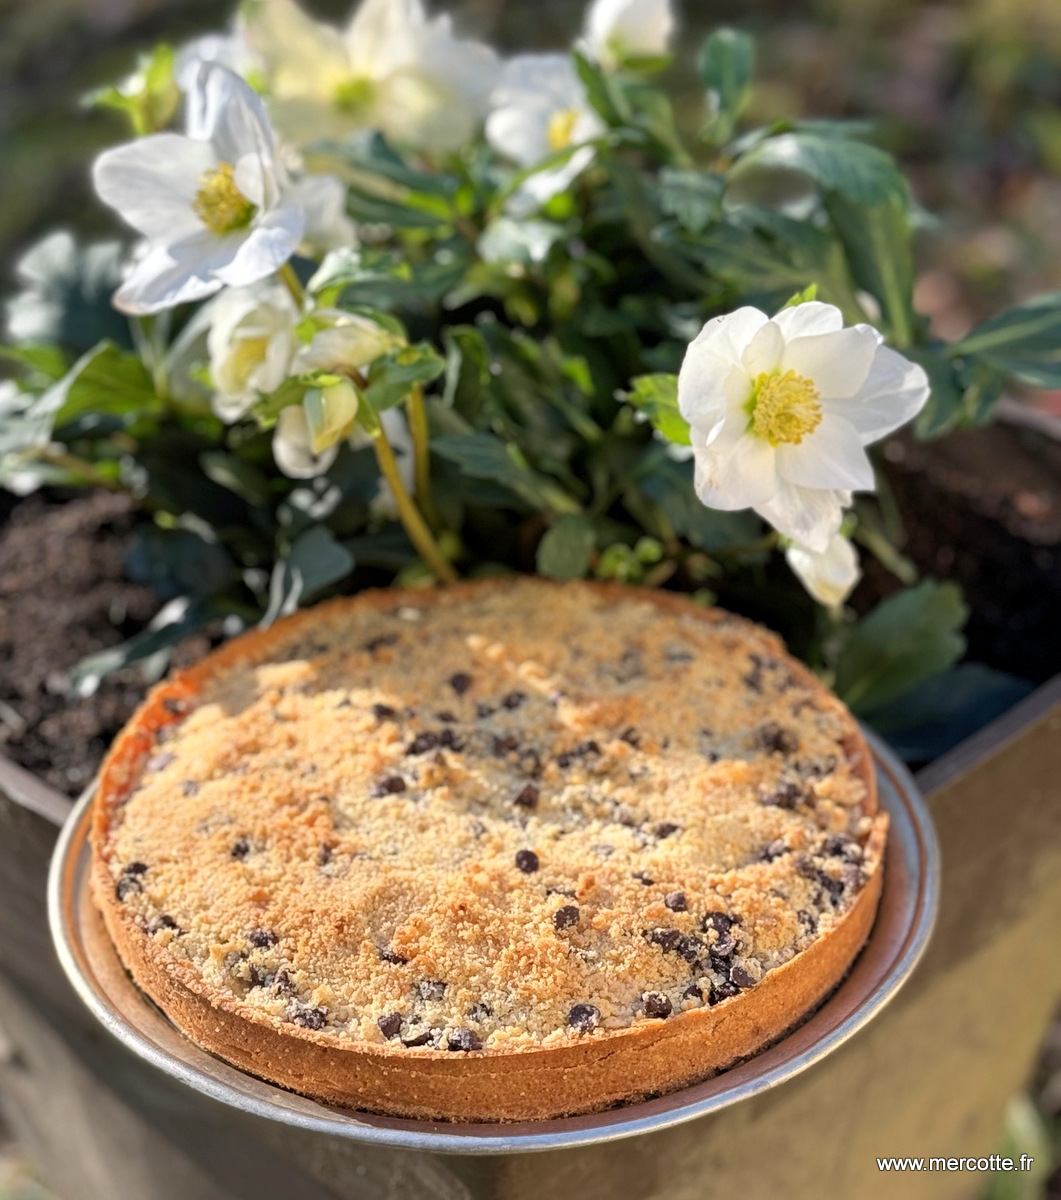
x=322, y=199
x=621, y=31
x=343, y=340
x=781, y=410
x=215, y=205
x=391, y=69
x=539, y=108
x=251, y=343
x=829, y=576
x=330, y=414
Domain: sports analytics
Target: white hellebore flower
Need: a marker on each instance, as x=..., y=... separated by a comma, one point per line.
x=251, y=343
x=322, y=199
x=228, y=49
x=343, y=340
x=307, y=435
x=781, y=409
x=830, y=576
x=391, y=69
x=215, y=205
x=540, y=108
x=619, y=31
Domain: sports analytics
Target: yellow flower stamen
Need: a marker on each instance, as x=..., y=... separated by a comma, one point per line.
x=561, y=128
x=219, y=203
x=354, y=96
x=784, y=408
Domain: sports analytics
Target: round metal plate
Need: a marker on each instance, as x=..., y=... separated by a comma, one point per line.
x=904, y=922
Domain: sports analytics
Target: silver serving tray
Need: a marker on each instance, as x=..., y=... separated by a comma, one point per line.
x=904, y=922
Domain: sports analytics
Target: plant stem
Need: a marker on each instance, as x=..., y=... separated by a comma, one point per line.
x=85, y=471
x=422, y=454
x=415, y=526
x=298, y=292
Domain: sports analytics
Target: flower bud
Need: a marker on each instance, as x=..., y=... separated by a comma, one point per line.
x=330, y=413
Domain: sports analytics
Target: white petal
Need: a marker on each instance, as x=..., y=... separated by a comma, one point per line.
x=542, y=186
x=764, y=351
x=355, y=343
x=830, y=457
x=291, y=448
x=741, y=478
x=830, y=576
x=894, y=393
x=712, y=374
x=153, y=182
x=809, y=319
x=322, y=199
x=837, y=363
x=265, y=247
x=171, y=275
x=622, y=29
x=547, y=80
x=300, y=56
x=382, y=36
x=809, y=516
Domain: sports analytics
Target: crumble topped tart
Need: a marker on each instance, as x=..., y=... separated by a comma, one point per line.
x=446, y=853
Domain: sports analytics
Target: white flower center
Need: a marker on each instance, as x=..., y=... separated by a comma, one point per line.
x=784, y=408
x=354, y=96
x=561, y=128
x=219, y=203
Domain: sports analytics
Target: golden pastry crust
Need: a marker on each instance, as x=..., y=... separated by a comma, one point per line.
x=499, y=851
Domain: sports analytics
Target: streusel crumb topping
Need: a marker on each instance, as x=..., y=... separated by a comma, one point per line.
x=496, y=820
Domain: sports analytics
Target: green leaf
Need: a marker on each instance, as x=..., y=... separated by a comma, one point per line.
x=669, y=484
x=483, y=456
x=906, y=639
x=47, y=362
x=238, y=476
x=877, y=242
x=564, y=552
x=804, y=297
x=319, y=559
x=1024, y=341
x=860, y=172
x=692, y=197
x=105, y=381
x=467, y=369
x=391, y=377
x=726, y=65
x=943, y=411
x=179, y=562
x=657, y=397
x=601, y=91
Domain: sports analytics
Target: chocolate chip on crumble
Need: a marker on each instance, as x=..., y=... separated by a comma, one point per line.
x=807, y=920
x=527, y=861
x=460, y=682
x=446, y=717
x=129, y=880
x=423, y=742
x=665, y=828
x=479, y=1012
x=389, y=785
x=630, y=736
x=189, y=787
x=309, y=1017
x=722, y=991
x=656, y=1004
x=642, y=877
x=785, y=795
x=421, y=1039
x=774, y=850
x=163, y=921
x=240, y=848
x=530, y=763
x=283, y=983
x=676, y=902
x=430, y=989
x=505, y=743
x=566, y=917
x=324, y=856
x=384, y=712
x=513, y=699
x=527, y=796
x=262, y=938
x=584, y=1018
x=692, y=992
x=384, y=639
x=390, y=956
x=450, y=740
x=776, y=739
x=668, y=940
x=390, y=1024
x=464, y=1039
x=739, y=976
x=484, y=710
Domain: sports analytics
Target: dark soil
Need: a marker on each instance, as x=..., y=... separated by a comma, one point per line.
x=63, y=594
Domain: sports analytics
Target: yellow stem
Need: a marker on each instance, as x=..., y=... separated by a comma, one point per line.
x=287, y=274
x=414, y=523
x=422, y=454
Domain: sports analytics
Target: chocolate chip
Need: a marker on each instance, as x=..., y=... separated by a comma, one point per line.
x=785, y=795
x=527, y=861
x=389, y=785
x=720, y=922
x=656, y=1004
x=389, y=956
x=530, y=763
x=739, y=976
x=157, y=761
x=484, y=710
x=775, y=850
x=834, y=887
x=675, y=901
x=421, y=1039
x=776, y=739
x=692, y=992
x=630, y=736
x=505, y=743
x=423, y=742
x=852, y=877
x=135, y=868
x=566, y=917
x=450, y=740
x=665, y=828
x=480, y=1012
x=464, y=1039
x=384, y=639
x=390, y=1024
x=240, y=848
x=513, y=699
x=460, y=682
x=430, y=989
x=308, y=1017
x=808, y=921
x=262, y=938
x=324, y=856
x=527, y=796
x=174, y=706
x=641, y=877
x=668, y=940
x=163, y=921
x=130, y=879
x=446, y=717
x=258, y=978
x=580, y=751
x=722, y=991
x=584, y=1018
x=690, y=947
x=189, y=787
x=384, y=712
x=283, y=983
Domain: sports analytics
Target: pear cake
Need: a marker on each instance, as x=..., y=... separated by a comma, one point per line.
x=498, y=851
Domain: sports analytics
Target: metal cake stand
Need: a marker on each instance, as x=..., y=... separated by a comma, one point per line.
x=904, y=922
